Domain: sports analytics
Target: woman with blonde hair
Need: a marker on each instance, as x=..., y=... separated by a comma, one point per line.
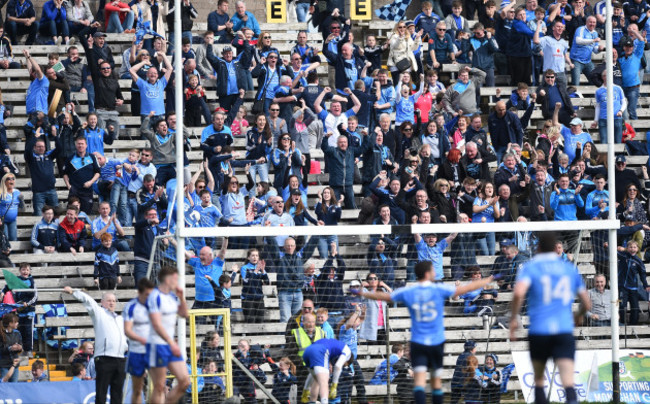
x=264, y=47
x=10, y=199
x=474, y=382
x=443, y=199
x=402, y=46
x=283, y=380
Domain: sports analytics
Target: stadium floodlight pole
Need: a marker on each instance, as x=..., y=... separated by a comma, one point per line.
x=180, y=173
x=613, y=262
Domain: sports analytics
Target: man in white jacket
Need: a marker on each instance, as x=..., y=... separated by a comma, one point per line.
x=110, y=345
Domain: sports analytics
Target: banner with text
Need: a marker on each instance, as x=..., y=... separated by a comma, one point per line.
x=593, y=376
x=76, y=392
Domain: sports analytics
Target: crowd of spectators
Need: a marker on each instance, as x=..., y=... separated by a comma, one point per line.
x=417, y=144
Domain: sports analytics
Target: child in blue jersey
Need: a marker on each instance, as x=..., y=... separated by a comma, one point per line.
x=426, y=303
x=429, y=250
x=136, y=328
x=549, y=286
x=405, y=103
x=165, y=303
x=210, y=215
x=317, y=358
x=107, y=264
x=322, y=314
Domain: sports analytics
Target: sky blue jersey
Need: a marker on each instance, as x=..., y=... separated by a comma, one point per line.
x=553, y=285
x=426, y=304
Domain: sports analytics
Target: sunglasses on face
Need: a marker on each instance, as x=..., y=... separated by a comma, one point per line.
x=550, y=77
x=372, y=278
x=272, y=57
x=274, y=110
x=105, y=68
x=266, y=37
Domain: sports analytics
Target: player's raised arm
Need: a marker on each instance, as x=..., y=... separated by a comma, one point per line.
x=462, y=289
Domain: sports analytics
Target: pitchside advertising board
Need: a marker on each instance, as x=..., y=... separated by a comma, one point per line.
x=74, y=392
x=593, y=376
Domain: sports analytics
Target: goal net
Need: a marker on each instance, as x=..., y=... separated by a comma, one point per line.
x=277, y=277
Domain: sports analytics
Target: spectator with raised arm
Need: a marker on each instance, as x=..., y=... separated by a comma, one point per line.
x=630, y=62
x=76, y=72
x=108, y=95
x=37, y=92
x=110, y=341
x=462, y=95
x=146, y=231
x=152, y=95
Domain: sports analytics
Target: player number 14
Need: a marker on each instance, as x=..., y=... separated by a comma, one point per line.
x=561, y=290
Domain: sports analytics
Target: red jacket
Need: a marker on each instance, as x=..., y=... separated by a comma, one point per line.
x=71, y=235
x=110, y=8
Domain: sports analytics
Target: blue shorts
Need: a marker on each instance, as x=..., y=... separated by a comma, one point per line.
x=426, y=357
x=136, y=364
x=559, y=346
x=158, y=356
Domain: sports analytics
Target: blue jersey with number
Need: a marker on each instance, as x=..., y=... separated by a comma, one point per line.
x=426, y=304
x=553, y=284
